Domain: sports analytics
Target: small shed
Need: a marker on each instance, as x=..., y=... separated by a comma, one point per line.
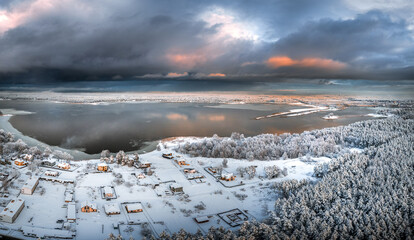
x=145, y=165
x=190, y=170
x=176, y=188
x=140, y=176
x=202, y=219
x=167, y=155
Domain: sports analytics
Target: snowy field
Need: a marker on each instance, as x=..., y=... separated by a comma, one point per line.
x=163, y=210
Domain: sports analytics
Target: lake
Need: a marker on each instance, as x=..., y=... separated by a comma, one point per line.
x=131, y=126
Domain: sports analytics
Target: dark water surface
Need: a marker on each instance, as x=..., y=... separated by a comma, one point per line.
x=127, y=126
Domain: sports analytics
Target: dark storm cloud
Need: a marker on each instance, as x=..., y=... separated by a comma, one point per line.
x=74, y=40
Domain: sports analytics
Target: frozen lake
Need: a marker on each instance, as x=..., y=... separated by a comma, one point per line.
x=132, y=126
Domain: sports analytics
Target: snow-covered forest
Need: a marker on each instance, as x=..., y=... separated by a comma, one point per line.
x=325, y=142
x=366, y=195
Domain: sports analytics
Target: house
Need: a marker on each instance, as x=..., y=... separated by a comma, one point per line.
x=51, y=173
x=88, y=207
x=176, y=188
x=134, y=207
x=213, y=169
x=167, y=155
x=145, y=165
x=64, y=166
x=103, y=167
x=202, y=219
x=190, y=170
x=20, y=162
x=30, y=186
x=182, y=163
x=112, y=209
x=227, y=176
x=71, y=214
x=12, y=210
x=108, y=192
x=140, y=176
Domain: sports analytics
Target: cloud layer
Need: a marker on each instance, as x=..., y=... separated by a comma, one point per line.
x=94, y=40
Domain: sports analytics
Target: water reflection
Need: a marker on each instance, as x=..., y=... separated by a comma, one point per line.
x=128, y=126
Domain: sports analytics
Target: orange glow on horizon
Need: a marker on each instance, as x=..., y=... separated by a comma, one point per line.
x=176, y=75
x=284, y=61
x=217, y=75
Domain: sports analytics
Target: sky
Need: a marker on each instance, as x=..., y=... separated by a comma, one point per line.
x=264, y=40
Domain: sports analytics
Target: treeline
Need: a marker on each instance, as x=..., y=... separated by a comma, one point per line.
x=325, y=142
x=11, y=148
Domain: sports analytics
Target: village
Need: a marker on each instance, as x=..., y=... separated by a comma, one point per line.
x=156, y=192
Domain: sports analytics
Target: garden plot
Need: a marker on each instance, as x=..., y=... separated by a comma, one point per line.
x=213, y=221
x=134, y=212
x=234, y=217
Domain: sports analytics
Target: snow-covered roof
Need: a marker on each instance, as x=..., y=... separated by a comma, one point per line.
x=19, y=160
x=134, y=206
x=63, y=165
x=108, y=190
x=202, y=219
x=71, y=211
x=227, y=175
x=111, y=208
x=68, y=197
x=176, y=185
x=89, y=204
x=102, y=164
x=13, y=206
x=31, y=182
x=48, y=172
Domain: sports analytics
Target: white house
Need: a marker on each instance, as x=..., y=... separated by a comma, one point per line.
x=12, y=210
x=112, y=209
x=30, y=186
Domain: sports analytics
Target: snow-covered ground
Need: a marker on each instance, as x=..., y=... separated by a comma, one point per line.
x=162, y=210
